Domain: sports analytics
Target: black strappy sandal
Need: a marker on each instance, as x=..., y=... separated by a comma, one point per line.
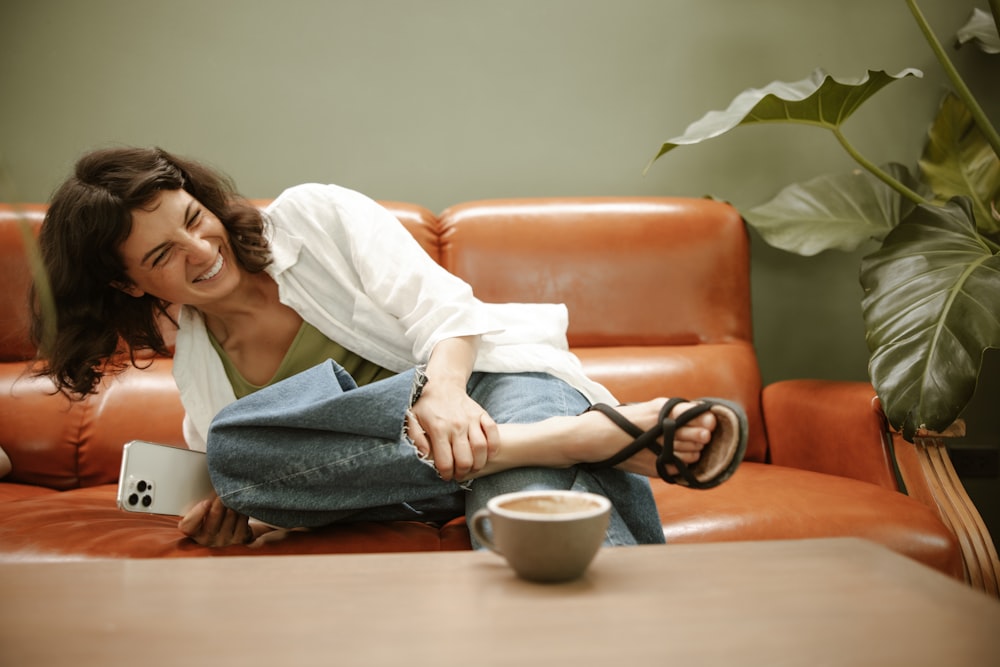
x=719, y=459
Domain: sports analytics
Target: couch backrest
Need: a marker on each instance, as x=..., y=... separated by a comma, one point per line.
x=15, y=279
x=658, y=293
x=658, y=289
x=631, y=271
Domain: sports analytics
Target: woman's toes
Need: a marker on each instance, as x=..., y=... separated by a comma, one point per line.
x=694, y=436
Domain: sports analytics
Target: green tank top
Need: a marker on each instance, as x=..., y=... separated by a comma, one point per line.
x=309, y=348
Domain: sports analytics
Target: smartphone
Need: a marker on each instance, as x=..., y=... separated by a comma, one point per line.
x=161, y=479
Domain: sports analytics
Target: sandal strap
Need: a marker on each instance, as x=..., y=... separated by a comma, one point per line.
x=617, y=418
x=666, y=428
x=667, y=457
x=683, y=472
x=642, y=439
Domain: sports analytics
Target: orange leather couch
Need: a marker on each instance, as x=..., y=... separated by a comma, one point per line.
x=659, y=298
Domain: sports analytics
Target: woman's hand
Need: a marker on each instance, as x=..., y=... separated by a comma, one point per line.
x=453, y=430
x=445, y=424
x=212, y=524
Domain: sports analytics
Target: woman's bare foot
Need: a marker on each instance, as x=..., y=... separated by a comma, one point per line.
x=560, y=442
x=608, y=438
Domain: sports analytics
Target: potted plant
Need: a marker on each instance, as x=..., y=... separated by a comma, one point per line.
x=931, y=303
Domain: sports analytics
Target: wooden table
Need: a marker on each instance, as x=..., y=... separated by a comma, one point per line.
x=814, y=602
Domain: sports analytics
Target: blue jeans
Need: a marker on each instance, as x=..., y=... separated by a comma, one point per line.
x=316, y=449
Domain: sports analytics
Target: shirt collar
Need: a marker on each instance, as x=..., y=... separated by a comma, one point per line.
x=284, y=248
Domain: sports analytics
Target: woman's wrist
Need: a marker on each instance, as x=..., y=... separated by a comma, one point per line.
x=451, y=362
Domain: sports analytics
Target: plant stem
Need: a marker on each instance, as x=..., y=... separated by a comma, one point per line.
x=876, y=171
x=956, y=80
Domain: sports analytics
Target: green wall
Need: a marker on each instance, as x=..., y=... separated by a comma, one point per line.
x=442, y=101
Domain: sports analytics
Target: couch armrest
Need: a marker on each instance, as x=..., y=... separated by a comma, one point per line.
x=839, y=428
x=929, y=476
x=831, y=427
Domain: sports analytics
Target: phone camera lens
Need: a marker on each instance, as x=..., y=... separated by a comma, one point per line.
x=147, y=501
x=133, y=499
x=141, y=486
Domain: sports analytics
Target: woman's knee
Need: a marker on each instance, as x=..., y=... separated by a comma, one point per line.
x=524, y=398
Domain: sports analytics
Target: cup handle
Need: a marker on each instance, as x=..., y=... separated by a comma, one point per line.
x=478, y=520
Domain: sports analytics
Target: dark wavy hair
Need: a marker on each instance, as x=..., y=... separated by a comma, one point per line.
x=88, y=219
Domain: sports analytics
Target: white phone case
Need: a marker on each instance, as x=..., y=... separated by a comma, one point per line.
x=161, y=479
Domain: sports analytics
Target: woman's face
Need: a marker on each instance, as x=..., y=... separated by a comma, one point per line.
x=178, y=251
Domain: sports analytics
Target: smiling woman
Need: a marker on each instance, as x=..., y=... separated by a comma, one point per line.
x=363, y=390
x=173, y=240
x=89, y=221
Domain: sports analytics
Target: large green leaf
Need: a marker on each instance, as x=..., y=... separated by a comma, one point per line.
x=833, y=212
x=959, y=162
x=819, y=100
x=931, y=308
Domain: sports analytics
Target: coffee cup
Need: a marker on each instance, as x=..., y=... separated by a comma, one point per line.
x=544, y=535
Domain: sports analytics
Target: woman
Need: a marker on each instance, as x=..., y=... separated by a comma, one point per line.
x=372, y=384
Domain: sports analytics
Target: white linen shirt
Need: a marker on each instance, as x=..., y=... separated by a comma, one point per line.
x=350, y=269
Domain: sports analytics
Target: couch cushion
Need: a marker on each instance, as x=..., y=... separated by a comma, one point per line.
x=760, y=502
x=769, y=502
x=63, y=444
x=85, y=523
x=15, y=491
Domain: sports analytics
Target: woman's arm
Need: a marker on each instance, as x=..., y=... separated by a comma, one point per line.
x=445, y=424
